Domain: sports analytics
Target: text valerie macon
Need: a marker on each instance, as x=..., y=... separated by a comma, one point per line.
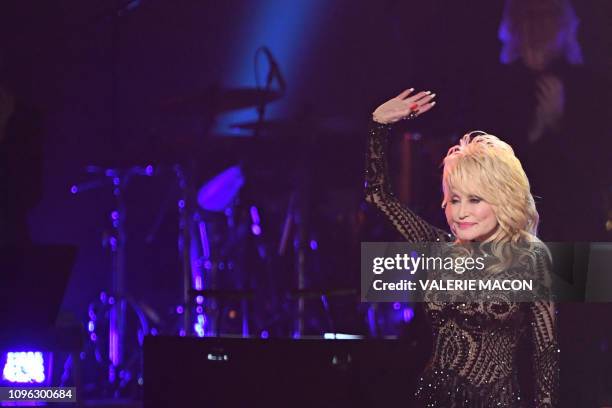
x=454, y=285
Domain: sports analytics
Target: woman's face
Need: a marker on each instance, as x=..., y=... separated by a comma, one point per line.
x=541, y=42
x=469, y=217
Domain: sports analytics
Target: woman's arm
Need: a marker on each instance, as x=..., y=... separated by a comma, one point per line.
x=545, y=354
x=544, y=334
x=377, y=187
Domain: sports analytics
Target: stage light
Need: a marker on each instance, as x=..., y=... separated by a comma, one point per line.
x=341, y=336
x=287, y=28
x=24, y=367
x=198, y=282
x=199, y=326
x=254, y=214
x=204, y=239
x=408, y=314
x=256, y=229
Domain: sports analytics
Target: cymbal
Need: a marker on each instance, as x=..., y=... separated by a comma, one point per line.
x=217, y=100
x=218, y=193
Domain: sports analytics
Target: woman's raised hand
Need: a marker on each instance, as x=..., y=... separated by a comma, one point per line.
x=404, y=106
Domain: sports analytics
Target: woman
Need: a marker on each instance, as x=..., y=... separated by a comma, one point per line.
x=487, y=200
x=539, y=100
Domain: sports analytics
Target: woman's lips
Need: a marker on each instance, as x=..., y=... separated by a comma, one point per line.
x=464, y=225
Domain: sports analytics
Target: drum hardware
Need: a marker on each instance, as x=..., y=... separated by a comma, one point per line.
x=323, y=295
x=217, y=202
x=118, y=179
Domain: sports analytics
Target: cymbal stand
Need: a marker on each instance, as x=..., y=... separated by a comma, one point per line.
x=119, y=180
x=291, y=219
x=184, y=244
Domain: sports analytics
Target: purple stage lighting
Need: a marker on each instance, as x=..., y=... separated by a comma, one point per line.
x=199, y=326
x=256, y=229
x=204, y=238
x=198, y=329
x=218, y=193
x=254, y=215
x=408, y=314
x=314, y=244
x=198, y=282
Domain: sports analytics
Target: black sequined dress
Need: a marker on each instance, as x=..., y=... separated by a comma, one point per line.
x=474, y=359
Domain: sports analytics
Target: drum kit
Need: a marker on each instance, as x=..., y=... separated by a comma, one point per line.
x=248, y=239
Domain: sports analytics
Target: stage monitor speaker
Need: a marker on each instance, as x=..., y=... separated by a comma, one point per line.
x=221, y=372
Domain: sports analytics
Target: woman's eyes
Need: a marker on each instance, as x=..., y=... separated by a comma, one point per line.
x=474, y=200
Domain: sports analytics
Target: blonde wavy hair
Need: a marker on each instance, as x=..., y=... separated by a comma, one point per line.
x=483, y=165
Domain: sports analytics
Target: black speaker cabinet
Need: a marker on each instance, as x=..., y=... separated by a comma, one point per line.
x=221, y=372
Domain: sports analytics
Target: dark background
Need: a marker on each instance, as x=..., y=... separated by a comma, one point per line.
x=99, y=81
x=340, y=59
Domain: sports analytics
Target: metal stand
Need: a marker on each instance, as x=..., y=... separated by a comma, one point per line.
x=116, y=241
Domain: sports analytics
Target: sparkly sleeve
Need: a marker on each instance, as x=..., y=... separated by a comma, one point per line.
x=378, y=192
x=545, y=349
